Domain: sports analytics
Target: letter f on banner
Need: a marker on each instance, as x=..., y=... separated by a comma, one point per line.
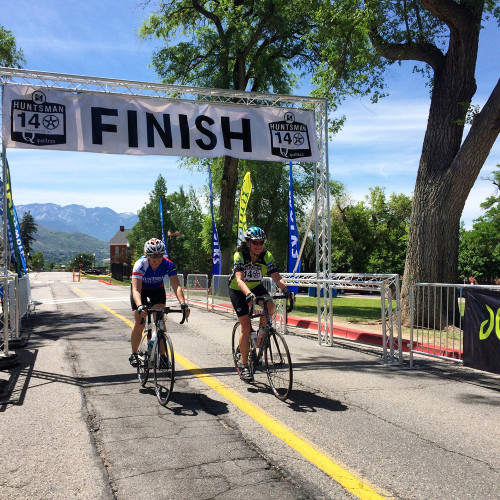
x=246, y=189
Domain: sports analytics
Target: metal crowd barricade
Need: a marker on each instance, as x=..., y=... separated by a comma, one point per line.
x=387, y=284
x=221, y=303
x=197, y=288
x=168, y=288
x=436, y=322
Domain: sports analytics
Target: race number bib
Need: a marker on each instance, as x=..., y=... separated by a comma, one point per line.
x=253, y=273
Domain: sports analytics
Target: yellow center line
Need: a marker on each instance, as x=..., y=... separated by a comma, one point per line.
x=356, y=485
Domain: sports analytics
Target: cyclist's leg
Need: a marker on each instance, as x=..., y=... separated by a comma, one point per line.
x=260, y=291
x=136, y=333
x=240, y=305
x=137, y=329
x=244, y=338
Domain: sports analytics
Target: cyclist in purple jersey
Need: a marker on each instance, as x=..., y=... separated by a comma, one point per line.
x=147, y=283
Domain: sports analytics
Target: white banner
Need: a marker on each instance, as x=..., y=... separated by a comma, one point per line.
x=43, y=118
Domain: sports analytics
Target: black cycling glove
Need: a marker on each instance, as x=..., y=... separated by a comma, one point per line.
x=250, y=297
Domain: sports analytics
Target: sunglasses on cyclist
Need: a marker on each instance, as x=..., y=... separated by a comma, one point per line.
x=258, y=242
x=155, y=255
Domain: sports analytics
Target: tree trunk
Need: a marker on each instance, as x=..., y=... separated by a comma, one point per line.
x=448, y=168
x=226, y=211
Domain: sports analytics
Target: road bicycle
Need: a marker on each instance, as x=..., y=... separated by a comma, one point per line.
x=272, y=352
x=156, y=353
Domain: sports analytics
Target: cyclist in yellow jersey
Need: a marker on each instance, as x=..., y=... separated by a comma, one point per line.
x=251, y=263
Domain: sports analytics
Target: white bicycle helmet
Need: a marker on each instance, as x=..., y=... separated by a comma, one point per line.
x=154, y=248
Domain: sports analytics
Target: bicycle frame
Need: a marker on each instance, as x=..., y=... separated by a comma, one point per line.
x=160, y=357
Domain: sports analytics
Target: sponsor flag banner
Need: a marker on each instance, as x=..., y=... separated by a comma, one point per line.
x=482, y=329
x=162, y=232
x=293, y=233
x=13, y=229
x=216, y=256
x=43, y=118
x=246, y=189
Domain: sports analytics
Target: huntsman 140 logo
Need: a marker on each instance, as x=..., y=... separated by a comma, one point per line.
x=38, y=122
x=289, y=139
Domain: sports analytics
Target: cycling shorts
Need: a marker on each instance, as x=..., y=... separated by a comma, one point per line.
x=155, y=296
x=239, y=300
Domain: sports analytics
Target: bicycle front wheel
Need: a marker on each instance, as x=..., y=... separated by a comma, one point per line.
x=278, y=364
x=143, y=368
x=235, y=344
x=163, y=368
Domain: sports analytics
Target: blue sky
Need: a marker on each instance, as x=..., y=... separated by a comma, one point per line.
x=379, y=146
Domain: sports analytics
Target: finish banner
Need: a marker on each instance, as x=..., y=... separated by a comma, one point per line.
x=482, y=329
x=44, y=118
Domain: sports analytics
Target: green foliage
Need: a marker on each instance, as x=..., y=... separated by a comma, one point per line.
x=86, y=259
x=231, y=45
x=369, y=237
x=479, y=250
x=28, y=228
x=181, y=214
x=10, y=54
x=37, y=261
x=59, y=247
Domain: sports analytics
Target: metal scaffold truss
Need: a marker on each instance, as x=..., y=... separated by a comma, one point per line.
x=98, y=85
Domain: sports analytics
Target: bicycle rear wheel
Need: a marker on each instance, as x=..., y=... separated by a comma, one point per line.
x=143, y=368
x=163, y=368
x=278, y=364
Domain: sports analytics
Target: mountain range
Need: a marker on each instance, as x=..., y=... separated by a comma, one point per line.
x=63, y=232
x=99, y=222
x=61, y=247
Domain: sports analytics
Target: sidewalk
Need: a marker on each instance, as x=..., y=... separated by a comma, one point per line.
x=46, y=449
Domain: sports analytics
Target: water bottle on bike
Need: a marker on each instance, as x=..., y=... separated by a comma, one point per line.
x=151, y=342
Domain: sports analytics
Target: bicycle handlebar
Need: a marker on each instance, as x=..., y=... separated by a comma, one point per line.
x=267, y=298
x=168, y=310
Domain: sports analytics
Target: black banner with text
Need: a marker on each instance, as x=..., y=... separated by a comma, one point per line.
x=482, y=329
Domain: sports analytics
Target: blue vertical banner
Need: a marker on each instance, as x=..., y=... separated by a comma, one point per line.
x=162, y=233
x=216, y=262
x=293, y=233
x=13, y=229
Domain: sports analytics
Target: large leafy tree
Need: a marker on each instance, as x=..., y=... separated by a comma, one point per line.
x=479, y=255
x=442, y=37
x=37, y=261
x=10, y=54
x=231, y=45
x=182, y=226
x=369, y=236
x=85, y=259
x=28, y=228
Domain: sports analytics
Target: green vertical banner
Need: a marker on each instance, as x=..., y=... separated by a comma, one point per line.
x=482, y=329
x=246, y=189
x=15, y=242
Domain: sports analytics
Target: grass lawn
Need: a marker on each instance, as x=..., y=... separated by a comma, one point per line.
x=346, y=308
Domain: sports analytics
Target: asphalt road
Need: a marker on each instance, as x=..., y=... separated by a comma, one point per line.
x=75, y=423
